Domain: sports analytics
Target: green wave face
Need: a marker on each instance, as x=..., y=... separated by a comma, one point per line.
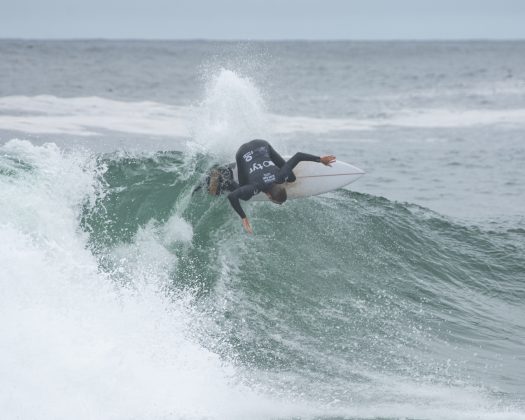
x=341, y=292
x=341, y=306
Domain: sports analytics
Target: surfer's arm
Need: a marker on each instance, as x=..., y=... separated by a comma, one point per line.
x=286, y=174
x=244, y=193
x=300, y=157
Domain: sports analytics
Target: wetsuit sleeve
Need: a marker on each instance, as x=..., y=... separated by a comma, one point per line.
x=285, y=173
x=244, y=193
x=276, y=157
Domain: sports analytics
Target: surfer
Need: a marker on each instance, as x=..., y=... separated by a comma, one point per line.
x=261, y=168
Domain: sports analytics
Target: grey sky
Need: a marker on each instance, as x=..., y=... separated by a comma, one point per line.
x=263, y=19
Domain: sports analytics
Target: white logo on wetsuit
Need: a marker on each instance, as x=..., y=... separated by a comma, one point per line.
x=268, y=178
x=248, y=156
x=258, y=166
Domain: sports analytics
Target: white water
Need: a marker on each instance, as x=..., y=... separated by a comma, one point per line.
x=75, y=344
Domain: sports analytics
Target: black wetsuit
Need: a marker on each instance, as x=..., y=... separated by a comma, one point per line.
x=259, y=166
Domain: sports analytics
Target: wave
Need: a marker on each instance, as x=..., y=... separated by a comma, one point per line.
x=126, y=294
x=214, y=123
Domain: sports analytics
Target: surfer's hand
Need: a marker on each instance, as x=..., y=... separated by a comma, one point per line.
x=327, y=160
x=246, y=225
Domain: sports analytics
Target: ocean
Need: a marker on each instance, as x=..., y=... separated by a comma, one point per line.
x=125, y=296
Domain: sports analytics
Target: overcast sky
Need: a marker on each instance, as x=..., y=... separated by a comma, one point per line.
x=263, y=19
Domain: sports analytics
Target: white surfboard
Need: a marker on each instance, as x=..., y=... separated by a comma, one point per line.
x=314, y=178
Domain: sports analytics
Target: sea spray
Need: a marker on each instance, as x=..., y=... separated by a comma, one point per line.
x=231, y=113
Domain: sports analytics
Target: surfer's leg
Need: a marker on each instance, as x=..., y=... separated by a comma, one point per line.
x=285, y=173
x=228, y=183
x=241, y=173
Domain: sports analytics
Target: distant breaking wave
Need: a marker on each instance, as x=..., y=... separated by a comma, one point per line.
x=88, y=116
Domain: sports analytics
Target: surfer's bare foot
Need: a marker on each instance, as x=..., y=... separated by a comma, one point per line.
x=328, y=160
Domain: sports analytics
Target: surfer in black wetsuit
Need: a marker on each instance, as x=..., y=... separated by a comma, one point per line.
x=261, y=168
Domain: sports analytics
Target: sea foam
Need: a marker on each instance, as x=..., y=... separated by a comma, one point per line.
x=76, y=341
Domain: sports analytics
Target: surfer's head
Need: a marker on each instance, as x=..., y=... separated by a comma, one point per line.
x=277, y=194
